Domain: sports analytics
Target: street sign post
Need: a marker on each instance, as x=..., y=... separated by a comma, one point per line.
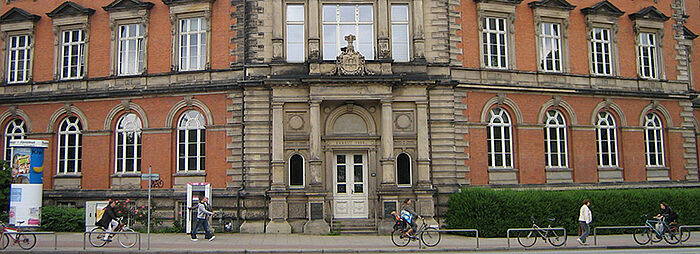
x=149, y=177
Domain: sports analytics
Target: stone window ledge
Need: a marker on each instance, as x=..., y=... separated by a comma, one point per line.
x=68, y=175
x=133, y=174
x=196, y=173
x=503, y=170
x=610, y=168
x=657, y=168
x=558, y=169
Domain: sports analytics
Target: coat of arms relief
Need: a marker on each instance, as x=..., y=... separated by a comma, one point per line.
x=350, y=62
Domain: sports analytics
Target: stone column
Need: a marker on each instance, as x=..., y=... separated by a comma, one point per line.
x=315, y=142
x=277, y=36
x=383, y=30
x=423, y=143
x=314, y=49
x=278, y=195
x=387, y=160
x=418, y=37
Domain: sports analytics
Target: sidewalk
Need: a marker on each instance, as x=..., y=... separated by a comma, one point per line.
x=298, y=243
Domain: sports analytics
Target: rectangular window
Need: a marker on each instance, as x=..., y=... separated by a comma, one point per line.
x=342, y=20
x=18, y=62
x=295, y=33
x=399, y=33
x=647, y=56
x=600, y=51
x=495, y=43
x=73, y=54
x=130, y=49
x=550, y=47
x=193, y=45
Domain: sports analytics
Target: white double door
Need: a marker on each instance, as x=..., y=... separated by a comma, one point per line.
x=350, y=186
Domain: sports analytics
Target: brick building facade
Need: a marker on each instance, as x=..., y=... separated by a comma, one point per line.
x=268, y=102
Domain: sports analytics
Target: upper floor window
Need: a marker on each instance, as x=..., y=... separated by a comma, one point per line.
x=340, y=20
x=550, y=47
x=70, y=146
x=403, y=170
x=128, y=144
x=648, y=62
x=296, y=171
x=601, y=61
x=16, y=129
x=499, y=139
x=191, y=137
x=495, y=43
x=399, y=33
x=555, y=146
x=73, y=54
x=19, y=52
x=649, y=26
x=130, y=49
x=193, y=43
x=295, y=33
x=654, y=140
x=551, y=29
x=606, y=140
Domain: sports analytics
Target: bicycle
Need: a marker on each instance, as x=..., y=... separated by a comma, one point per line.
x=529, y=237
x=25, y=241
x=650, y=233
x=97, y=235
x=429, y=235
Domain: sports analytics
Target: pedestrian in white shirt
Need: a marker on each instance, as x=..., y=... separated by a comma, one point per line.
x=585, y=217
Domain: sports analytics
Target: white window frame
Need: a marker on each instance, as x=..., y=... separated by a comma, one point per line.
x=555, y=40
x=501, y=42
x=601, y=51
x=70, y=126
x=605, y=124
x=647, y=48
x=15, y=129
x=654, y=138
x=288, y=33
x=128, y=124
x=403, y=25
x=183, y=127
x=499, y=121
x=555, y=121
x=184, y=35
x=13, y=58
x=303, y=172
x=410, y=171
x=124, y=59
x=68, y=52
x=340, y=40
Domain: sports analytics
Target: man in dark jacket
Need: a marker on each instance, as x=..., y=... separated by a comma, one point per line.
x=108, y=220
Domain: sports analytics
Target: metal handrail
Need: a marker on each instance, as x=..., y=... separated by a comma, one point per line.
x=530, y=229
x=55, y=236
x=110, y=232
x=595, y=230
x=680, y=230
x=463, y=230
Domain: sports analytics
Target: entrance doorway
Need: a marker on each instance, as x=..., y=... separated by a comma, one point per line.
x=350, y=186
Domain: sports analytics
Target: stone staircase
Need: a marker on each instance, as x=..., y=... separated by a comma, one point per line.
x=354, y=226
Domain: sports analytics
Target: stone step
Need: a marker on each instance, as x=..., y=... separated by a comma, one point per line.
x=354, y=226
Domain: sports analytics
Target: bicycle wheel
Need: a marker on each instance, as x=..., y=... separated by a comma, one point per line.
x=685, y=235
x=97, y=236
x=4, y=241
x=527, y=238
x=398, y=239
x=642, y=236
x=26, y=241
x=556, y=239
x=672, y=236
x=430, y=237
x=127, y=240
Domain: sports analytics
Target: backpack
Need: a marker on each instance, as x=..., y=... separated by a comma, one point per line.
x=408, y=217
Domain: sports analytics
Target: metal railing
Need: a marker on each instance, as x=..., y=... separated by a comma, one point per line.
x=115, y=233
x=55, y=236
x=595, y=230
x=462, y=230
x=680, y=230
x=530, y=229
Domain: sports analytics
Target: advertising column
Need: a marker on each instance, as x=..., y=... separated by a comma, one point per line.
x=27, y=182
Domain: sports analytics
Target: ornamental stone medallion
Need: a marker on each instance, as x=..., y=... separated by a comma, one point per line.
x=351, y=62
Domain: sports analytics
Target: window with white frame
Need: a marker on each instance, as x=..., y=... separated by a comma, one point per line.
x=130, y=49
x=193, y=43
x=648, y=62
x=19, y=50
x=296, y=171
x=16, y=129
x=73, y=54
x=654, y=140
x=601, y=61
x=555, y=146
x=295, y=33
x=495, y=43
x=70, y=146
x=403, y=170
x=550, y=47
x=606, y=140
x=340, y=20
x=191, y=137
x=128, y=144
x=498, y=136
x=399, y=33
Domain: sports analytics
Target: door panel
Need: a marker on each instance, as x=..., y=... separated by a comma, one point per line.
x=350, y=192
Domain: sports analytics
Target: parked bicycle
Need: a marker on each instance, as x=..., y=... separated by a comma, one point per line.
x=656, y=230
x=25, y=241
x=528, y=238
x=429, y=235
x=128, y=240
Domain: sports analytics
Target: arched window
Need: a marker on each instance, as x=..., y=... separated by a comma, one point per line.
x=555, y=148
x=16, y=129
x=403, y=170
x=606, y=139
x=296, y=171
x=654, y=140
x=128, y=144
x=499, y=137
x=191, y=137
x=70, y=145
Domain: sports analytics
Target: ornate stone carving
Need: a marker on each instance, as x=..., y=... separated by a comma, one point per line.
x=350, y=62
x=296, y=122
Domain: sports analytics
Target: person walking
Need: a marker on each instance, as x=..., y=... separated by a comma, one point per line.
x=584, y=218
x=202, y=221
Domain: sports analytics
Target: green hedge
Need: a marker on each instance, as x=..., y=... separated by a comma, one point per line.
x=492, y=212
x=62, y=219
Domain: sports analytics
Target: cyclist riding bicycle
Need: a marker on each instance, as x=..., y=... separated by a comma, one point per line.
x=408, y=215
x=667, y=215
x=108, y=220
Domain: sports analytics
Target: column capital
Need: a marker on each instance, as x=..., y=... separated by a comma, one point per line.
x=385, y=101
x=277, y=104
x=422, y=104
x=315, y=102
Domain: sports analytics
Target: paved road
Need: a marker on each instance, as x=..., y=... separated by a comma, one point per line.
x=285, y=243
